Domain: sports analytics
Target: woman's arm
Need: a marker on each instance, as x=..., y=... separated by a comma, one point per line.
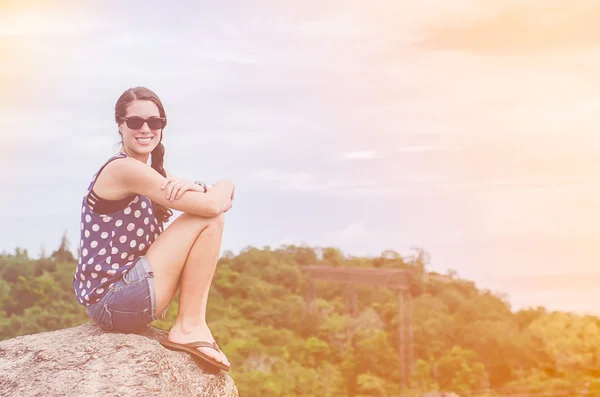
x=134, y=176
x=169, y=175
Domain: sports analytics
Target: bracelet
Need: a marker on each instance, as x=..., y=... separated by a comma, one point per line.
x=203, y=185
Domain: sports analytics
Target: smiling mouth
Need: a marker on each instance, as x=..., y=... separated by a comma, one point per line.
x=144, y=140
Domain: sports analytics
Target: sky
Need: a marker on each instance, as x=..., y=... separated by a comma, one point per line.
x=467, y=128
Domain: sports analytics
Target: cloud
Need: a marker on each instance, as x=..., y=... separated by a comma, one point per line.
x=416, y=149
x=286, y=180
x=530, y=26
x=28, y=23
x=362, y=155
x=309, y=182
x=581, y=115
x=343, y=24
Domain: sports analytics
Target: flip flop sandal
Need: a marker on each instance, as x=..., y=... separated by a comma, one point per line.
x=191, y=348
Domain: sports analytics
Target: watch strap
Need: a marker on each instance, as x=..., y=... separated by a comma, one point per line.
x=203, y=185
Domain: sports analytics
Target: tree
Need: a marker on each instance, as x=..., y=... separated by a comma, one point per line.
x=371, y=385
x=21, y=254
x=422, y=378
x=333, y=256
x=571, y=341
x=42, y=252
x=461, y=370
x=420, y=261
x=63, y=254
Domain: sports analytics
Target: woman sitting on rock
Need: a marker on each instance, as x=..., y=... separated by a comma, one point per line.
x=129, y=267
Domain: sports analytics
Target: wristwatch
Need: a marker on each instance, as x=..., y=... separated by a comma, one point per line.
x=203, y=185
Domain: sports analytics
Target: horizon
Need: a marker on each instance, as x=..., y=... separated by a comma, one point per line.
x=554, y=288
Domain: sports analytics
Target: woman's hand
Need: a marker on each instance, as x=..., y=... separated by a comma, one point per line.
x=223, y=192
x=175, y=187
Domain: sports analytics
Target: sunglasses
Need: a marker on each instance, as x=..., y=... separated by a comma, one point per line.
x=135, y=123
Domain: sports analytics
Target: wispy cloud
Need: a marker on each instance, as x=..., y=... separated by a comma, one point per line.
x=362, y=155
x=503, y=27
x=345, y=23
x=293, y=180
x=323, y=184
x=416, y=149
x=582, y=114
x=33, y=22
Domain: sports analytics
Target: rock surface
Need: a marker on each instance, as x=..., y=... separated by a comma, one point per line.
x=86, y=361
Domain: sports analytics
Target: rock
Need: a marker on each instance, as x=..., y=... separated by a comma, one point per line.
x=86, y=361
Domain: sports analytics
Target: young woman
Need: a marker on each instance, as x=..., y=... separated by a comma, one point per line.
x=129, y=267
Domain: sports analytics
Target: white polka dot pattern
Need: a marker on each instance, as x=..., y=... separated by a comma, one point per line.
x=107, y=249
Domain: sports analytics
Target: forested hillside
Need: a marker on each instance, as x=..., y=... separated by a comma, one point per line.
x=466, y=339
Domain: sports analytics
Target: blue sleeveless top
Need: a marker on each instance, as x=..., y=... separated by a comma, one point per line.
x=111, y=244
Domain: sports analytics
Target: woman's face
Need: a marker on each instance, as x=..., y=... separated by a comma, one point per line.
x=139, y=142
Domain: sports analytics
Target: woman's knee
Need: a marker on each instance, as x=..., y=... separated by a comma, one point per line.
x=215, y=222
x=219, y=221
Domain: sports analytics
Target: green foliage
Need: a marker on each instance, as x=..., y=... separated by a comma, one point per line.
x=371, y=385
x=460, y=370
x=466, y=340
x=422, y=377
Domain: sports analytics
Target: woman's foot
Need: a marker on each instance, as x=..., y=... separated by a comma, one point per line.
x=200, y=334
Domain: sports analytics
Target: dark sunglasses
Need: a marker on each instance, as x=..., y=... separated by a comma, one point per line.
x=135, y=123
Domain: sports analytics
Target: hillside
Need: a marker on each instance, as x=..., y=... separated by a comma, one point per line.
x=466, y=340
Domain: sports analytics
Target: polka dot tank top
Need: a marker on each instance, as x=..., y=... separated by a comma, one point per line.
x=111, y=244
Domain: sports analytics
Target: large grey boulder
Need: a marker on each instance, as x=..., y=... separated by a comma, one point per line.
x=86, y=361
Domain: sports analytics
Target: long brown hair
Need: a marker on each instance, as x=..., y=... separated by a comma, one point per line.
x=142, y=93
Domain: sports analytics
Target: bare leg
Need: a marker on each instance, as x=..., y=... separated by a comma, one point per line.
x=196, y=279
x=185, y=255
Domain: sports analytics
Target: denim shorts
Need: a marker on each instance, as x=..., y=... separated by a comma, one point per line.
x=130, y=304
